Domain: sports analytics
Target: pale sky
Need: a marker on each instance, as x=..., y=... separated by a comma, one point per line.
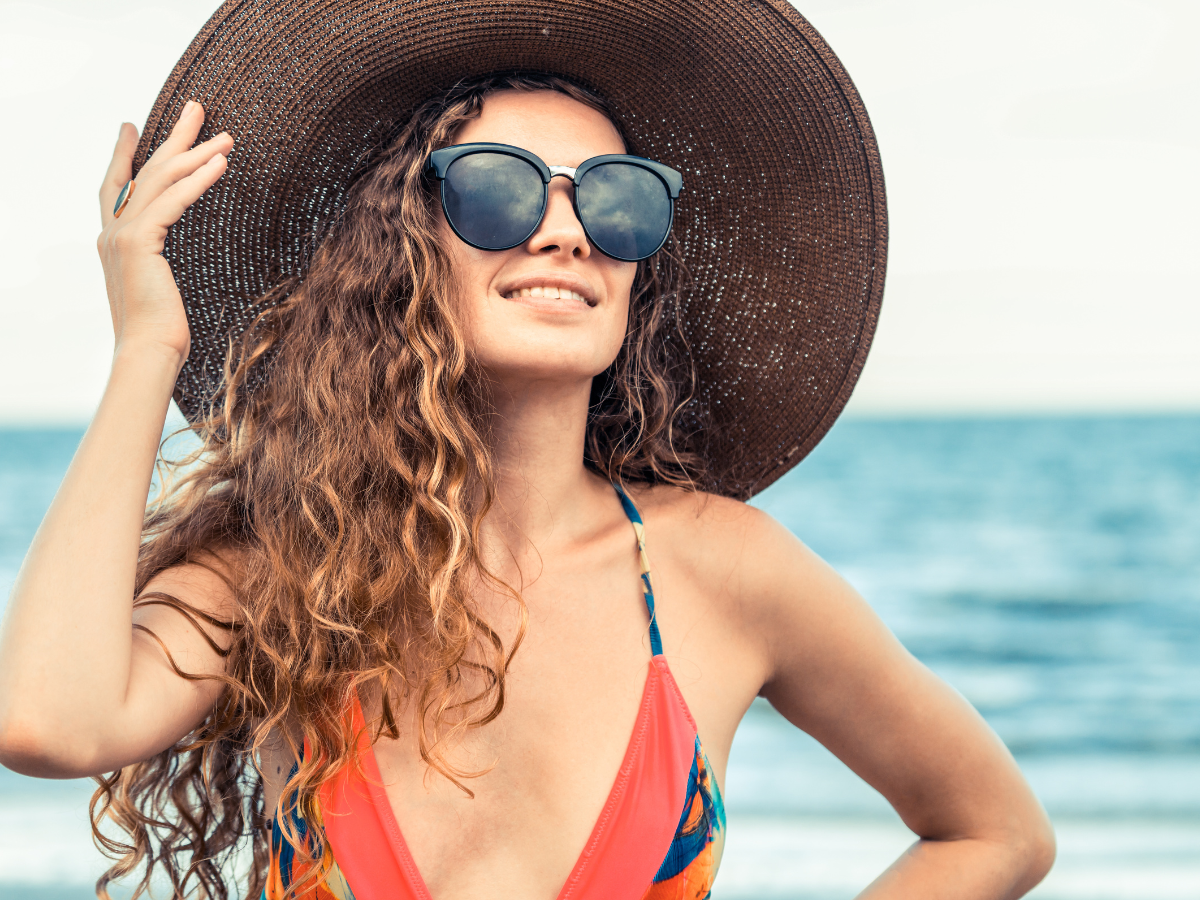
x=1042, y=162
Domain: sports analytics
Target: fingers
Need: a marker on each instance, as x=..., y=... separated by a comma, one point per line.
x=120, y=170
x=166, y=209
x=153, y=180
x=182, y=135
x=169, y=164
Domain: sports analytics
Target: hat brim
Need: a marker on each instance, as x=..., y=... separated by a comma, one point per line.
x=782, y=221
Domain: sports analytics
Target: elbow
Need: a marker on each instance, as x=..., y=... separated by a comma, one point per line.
x=28, y=749
x=23, y=751
x=1045, y=851
x=1034, y=849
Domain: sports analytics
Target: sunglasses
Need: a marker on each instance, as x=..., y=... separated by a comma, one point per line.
x=495, y=197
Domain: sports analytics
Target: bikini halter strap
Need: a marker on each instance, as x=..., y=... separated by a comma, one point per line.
x=647, y=588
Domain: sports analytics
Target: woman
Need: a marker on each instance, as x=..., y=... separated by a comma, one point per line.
x=395, y=621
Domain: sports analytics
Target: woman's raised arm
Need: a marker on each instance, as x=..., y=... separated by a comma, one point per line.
x=839, y=674
x=79, y=693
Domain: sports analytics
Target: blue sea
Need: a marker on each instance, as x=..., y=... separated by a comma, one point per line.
x=1047, y=568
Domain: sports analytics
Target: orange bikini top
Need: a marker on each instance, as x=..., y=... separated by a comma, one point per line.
x=658, y=837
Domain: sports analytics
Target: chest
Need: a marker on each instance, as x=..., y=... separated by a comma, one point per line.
x=658, y=835
x=540, y=772
x=543, y=775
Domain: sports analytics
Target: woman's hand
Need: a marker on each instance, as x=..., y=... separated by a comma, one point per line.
x=82, y=692
x=144, y=301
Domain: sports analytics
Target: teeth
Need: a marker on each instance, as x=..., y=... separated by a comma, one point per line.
x=545, y=291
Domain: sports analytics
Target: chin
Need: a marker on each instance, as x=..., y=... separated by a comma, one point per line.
x=553, y=359
x=544, y=370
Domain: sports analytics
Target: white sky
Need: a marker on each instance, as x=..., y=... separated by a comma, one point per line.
x=1042, y=162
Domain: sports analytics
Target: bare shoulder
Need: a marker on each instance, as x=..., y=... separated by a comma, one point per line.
x=698, y=512
x=725, y=542
x=195, y=596
x=748, y=573
x=731, y=570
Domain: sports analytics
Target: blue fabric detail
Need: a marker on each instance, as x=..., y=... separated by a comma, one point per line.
x=630, y=510
x=687, y=845
x=655, y=637
x=286, y=851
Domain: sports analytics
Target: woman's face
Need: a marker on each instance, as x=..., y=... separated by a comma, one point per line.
x=518, y=337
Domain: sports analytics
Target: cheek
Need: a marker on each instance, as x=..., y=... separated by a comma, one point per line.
x=465, y=261
x=471, y=271
x=619, y=320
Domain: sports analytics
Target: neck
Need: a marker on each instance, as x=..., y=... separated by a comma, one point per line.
x=543, y=491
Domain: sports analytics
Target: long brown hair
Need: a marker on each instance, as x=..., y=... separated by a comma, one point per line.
x=342, y=476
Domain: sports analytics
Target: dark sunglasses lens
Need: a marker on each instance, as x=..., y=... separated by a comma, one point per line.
x=626, y=209
x=493, y=200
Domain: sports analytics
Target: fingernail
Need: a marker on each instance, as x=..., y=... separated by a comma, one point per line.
x=187, y=108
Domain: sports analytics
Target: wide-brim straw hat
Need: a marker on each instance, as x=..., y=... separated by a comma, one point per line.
x=782, y=221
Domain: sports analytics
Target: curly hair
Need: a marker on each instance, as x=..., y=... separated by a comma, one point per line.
x=342, y=477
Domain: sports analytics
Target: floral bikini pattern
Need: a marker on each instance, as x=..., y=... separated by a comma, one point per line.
x=286, y=866
x=691, y=864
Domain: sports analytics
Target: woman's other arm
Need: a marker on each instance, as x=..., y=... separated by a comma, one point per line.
x=80, y=692
x=839, y=674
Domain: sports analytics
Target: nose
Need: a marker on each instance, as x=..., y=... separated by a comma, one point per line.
x=560, y=232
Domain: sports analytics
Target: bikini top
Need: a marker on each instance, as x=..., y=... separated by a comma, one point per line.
x=658, y=837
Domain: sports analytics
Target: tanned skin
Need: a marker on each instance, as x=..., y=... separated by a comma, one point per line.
x=745, y=609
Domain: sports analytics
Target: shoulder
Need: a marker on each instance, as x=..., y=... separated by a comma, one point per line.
x=196, y=594
x=737, y=566
x=717, y=537
x=210, y=576
x=676, y=508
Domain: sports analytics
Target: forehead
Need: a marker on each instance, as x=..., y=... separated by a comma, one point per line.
x=562, y=131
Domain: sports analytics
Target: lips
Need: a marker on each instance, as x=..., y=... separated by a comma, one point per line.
x=548, y=291
x=550, y=286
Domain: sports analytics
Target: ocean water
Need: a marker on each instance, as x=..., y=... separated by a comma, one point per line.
x=1048, y=568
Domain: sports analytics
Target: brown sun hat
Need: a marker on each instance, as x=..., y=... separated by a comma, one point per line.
x=782, y=221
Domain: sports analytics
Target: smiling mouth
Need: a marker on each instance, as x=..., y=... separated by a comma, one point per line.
x=547, y=292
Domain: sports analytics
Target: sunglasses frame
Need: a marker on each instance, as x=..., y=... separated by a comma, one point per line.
x=440, y=161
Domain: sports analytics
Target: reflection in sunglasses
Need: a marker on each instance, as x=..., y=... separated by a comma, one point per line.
x=493, y=200
x=496, y=200
x=625, y=209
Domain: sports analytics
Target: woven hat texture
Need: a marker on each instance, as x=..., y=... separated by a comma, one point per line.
x=782, y=221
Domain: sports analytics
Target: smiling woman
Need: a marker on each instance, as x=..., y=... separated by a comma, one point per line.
x=520, y=325
x=397, y=622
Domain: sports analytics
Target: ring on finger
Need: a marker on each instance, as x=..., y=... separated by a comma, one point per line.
x=123, y=198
